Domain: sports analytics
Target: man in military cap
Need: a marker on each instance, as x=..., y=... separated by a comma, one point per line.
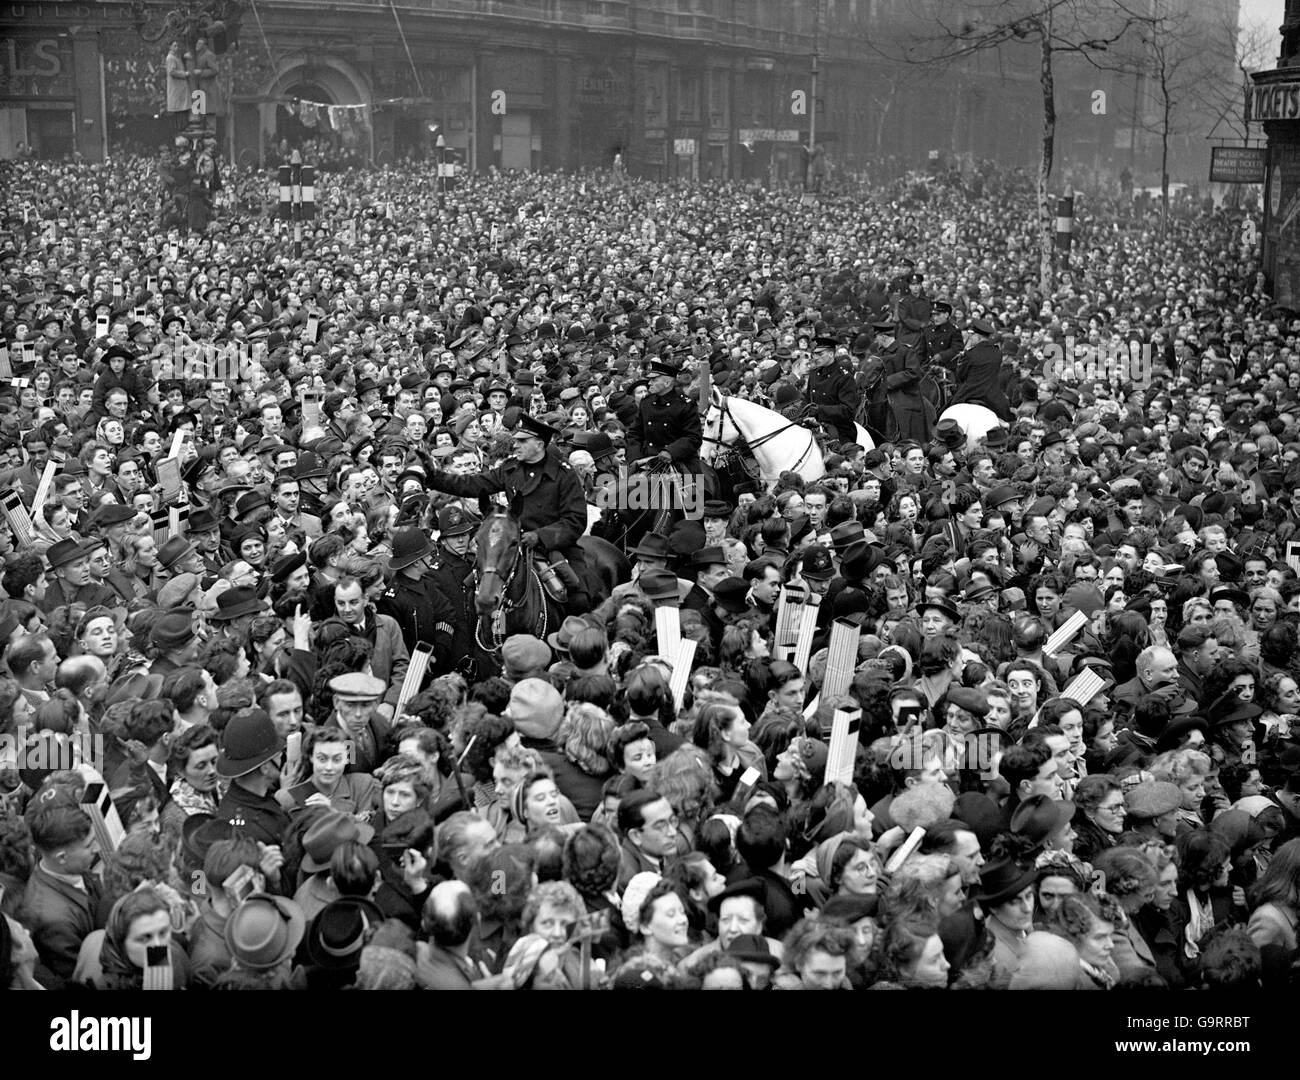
x=913, y=316
x=942, y=339
x=667, y=426
x=545, y=498
x=978, y=371
x=832, y=394
x=898, y=285
x=905, y=414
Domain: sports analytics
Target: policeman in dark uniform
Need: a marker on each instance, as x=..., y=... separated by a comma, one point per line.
x=421, y=611
x=252, y=753
x=832, y=393
x=978, y=373
x=942, y=339
x=667, y=426
x=544, y=497
x=898, y=284
x=907, y=414
x=450, y=572
x=913, y=317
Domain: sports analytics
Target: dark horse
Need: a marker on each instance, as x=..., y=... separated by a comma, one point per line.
x=625, y=527
x=508, y=594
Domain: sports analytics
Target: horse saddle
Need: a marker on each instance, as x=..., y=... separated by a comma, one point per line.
x=550, y=580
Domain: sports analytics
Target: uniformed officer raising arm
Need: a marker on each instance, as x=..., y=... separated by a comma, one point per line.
x=544, y=497
x=667, y=426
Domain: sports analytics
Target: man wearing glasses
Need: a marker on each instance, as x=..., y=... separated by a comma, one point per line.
x=649, y=830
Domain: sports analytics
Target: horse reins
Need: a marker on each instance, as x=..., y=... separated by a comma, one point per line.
x=753, y=444
x=504, y=608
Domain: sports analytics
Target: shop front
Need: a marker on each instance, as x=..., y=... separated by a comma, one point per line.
x=37, y=96
x=1274, y=101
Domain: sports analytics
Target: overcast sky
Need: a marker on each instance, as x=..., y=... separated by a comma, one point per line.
x=1268, y=12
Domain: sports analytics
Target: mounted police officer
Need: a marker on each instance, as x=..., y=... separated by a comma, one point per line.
x=913, y=317
x=978, y=372
x=544, y=497
x=667, y=426
x=907, y=415
x=942, y=339
x=832, y=392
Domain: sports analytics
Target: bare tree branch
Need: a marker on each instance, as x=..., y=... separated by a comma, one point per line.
x=1078, y=28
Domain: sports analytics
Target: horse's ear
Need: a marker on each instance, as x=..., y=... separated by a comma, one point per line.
x=715, y=396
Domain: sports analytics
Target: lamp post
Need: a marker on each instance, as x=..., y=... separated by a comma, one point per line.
x=297, y=197
x=217, y=20
x=441, y=144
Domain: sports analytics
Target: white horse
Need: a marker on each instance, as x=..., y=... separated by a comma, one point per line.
x=778, y=445
x=976, y=420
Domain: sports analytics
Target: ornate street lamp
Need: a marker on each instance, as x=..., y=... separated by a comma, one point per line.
x=216, y=20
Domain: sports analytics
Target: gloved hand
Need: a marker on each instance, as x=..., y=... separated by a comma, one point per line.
x=529, y=539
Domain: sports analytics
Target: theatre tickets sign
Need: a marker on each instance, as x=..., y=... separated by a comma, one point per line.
x=1273, y=101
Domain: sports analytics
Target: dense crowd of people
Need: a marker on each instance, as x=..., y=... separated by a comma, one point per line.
x=269, y=474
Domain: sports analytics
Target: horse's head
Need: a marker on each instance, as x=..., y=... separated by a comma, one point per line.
x=718, y=426
x=496, y=549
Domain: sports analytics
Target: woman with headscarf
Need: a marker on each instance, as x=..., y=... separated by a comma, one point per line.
x=139, y=924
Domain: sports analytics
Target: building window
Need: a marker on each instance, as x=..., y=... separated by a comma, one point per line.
x=718, y=81
x=688, y=94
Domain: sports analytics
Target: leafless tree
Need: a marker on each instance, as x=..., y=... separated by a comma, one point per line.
x=1169, y=47
x=1253, y=47
x=944, y=33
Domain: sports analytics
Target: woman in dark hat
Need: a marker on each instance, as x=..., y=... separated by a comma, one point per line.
x=334, y=941
x=1006, y=896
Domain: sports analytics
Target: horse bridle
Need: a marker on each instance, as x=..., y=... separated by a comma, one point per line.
x=503, y=609
x=725, y=410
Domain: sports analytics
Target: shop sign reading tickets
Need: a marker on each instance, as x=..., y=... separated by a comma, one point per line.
x=1273, y=101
